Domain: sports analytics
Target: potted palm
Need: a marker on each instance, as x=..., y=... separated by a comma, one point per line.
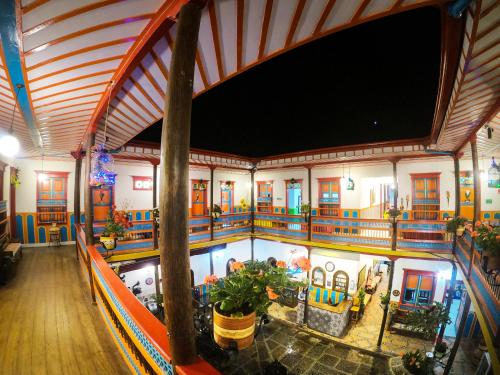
x=456, y=225
x=116, y=225
x=242, y=296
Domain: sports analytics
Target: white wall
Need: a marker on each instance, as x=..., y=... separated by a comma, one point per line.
x=241, y=251
x=242, y=185
x=200, y=264
x=279, y=187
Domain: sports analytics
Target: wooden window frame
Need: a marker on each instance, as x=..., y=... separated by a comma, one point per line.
x=418, y=273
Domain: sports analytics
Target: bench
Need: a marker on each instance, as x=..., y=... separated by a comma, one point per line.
x=14, y=250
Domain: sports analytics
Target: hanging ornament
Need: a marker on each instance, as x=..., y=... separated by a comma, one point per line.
x=101, y=159
x=102, y=162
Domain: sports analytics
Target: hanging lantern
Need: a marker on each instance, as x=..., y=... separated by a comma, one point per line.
x=102, y=161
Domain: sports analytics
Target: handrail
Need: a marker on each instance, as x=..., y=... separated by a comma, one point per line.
x=147, y=332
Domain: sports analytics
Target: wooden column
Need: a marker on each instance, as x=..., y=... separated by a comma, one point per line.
x=309, y=194
x=211, y=203
x=78, y=182
x=394, y=243
x=456, y=165
x=155, y=204
x=477, y=197
x=459, y=335
x=12, y=204
x=252, y=199
x=174, y=185
x=89, y=209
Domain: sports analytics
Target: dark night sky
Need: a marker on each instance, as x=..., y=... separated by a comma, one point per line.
x=374, y=82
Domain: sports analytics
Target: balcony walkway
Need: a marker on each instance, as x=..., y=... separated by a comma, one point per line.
x=47, y=322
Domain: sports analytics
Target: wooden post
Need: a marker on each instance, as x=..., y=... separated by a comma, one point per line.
x=211, y=202
x=458, y=337
x=78, y=182
x=252, y=199
x=477, y=198
x=12, y=203
x=309, y=193
x=76, y=199
x=174, y=194
x=394, y=243
x=155, y=204
x=456, y=165
x=89, y=209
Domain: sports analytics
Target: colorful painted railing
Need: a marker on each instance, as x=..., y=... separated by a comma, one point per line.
x=140, y=337
x=138, y=238
x=199, y=228
x=292, y=226
x=231, y=224
x=485, y=289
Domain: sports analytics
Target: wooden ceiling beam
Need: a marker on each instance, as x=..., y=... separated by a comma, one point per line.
x=240, y=13
x=295, y=22
x=324, y=16
x=265, y=28
x=216, y=38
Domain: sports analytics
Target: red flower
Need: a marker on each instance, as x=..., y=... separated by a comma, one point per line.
x=281, y=264
x=210, y=279
x=271, y=294
x=235, y=266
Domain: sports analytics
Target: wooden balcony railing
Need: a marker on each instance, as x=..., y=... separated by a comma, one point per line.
x=292, y=226
x=231, y=224
x=485, y=285
x=139, y=335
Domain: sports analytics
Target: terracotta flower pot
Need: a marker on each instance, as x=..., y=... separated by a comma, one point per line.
x=228, y=329
x=109, y=243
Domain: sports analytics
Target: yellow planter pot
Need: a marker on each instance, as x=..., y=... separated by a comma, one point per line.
x=228, y=329
x=108, y=242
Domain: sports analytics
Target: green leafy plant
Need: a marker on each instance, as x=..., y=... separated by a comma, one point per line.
x=305, y=208
x=394, y=213
x=487, y=237
x=361, y=296
x=415, y=362
x=453, y=224
x=427, y=320
x=216, y=211
x=251, y=287
x=384, y=299
x=440, y=347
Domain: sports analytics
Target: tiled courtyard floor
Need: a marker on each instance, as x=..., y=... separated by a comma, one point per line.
x=303, y=353
x=364, y=333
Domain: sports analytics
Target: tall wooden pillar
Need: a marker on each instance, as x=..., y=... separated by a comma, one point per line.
x=89, y=209
x=12, y=204
x=78, y=182
x=394, y=243
x=252, y=199
x=155, y=204
x=456, y=167
x=211, y=202
x=309, y=194
x=174, y=193
x=477, y=197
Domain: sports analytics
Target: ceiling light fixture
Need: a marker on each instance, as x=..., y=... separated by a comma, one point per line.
x=9, y=144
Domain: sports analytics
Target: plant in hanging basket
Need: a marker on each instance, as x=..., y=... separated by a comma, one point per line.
x=456, y=225
x=487, y=237
x=243, y=295
x=394, y=213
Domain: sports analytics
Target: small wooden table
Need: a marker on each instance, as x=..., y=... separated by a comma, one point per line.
x=14, y=250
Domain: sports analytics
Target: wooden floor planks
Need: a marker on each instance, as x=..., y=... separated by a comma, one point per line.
x=48, y=325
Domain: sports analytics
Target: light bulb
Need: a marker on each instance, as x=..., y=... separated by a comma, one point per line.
x=42, y=177
x=9, y=145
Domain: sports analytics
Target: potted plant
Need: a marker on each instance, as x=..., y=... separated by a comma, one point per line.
x=415, y=362
x=394, y=214
x=440, y=349
x=216, y=211
x=116, y=225
x=456, y=225
x=426, y=321
x=361, y=296
x=384, y=299
x=305, y=209
x=487, y=238
x=243, y=295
